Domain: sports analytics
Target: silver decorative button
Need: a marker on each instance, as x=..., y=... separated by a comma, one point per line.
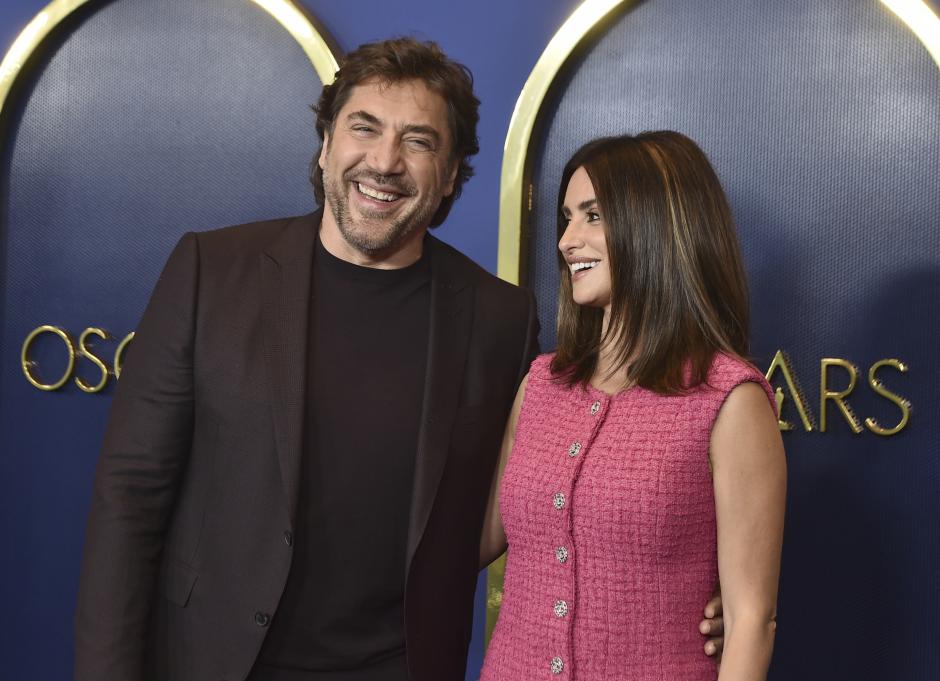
x=558, y=501
x=574, y=449
x=558, y=665
x=561, y=608
x=561, y=553
x=596, y=407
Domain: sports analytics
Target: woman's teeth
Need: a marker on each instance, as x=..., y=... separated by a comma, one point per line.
x=578, y=266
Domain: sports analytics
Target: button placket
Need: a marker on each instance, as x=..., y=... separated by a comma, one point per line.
x=560, y=646
x=562, y=499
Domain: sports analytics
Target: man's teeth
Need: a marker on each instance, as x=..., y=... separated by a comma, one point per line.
x=375, y=193
x=578, y=266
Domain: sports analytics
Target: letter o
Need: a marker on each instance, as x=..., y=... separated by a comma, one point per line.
x=27, y=365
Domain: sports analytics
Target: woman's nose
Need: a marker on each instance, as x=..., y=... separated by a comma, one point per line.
x=571, y=238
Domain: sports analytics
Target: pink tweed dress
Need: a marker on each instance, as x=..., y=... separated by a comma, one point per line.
x=608, y=506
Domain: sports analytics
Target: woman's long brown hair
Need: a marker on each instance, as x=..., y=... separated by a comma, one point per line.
x=678, y=288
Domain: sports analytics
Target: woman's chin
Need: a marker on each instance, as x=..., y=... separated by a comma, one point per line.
x=587, y=302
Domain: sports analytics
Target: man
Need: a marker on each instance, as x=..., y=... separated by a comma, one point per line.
x=296, y=466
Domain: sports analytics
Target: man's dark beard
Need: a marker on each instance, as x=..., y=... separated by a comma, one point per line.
x=368, y=242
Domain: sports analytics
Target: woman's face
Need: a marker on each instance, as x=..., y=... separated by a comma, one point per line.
x=584, y=245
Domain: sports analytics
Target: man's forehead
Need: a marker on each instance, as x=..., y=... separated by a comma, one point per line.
x=397, y=103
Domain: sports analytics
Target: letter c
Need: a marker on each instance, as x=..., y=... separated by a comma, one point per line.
x=119, y=354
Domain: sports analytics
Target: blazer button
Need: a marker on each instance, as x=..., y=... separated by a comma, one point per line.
x=262, y=619
x=288, y=538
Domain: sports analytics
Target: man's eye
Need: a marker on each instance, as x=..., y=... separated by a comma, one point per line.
x=419, y=143
x=361, y=128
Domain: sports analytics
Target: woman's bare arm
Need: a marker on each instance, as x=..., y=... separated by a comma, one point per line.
x=493, y=541
x=750, y=473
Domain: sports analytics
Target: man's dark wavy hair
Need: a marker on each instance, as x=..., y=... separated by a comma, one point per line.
x=396, y=61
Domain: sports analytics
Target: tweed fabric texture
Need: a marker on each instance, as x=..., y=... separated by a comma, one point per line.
x=609, y=510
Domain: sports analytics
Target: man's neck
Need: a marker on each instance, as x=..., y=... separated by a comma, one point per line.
x=395, y=257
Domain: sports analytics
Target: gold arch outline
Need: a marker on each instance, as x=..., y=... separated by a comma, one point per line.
x=915, y=14
x=522, y=124
x=921, y=20
x=315, y=42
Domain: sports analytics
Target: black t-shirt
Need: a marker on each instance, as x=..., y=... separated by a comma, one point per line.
x=342, y=612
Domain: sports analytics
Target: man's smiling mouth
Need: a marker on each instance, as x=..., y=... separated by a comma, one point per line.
x=376, y=194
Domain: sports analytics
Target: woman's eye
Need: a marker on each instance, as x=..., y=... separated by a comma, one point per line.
x=593, y=217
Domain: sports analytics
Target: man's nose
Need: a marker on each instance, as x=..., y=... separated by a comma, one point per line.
x=385, y=157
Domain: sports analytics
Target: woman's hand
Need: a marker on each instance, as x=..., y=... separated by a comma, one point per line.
x=713, y=626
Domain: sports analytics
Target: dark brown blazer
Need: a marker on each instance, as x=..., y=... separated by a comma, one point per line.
x=188, y=543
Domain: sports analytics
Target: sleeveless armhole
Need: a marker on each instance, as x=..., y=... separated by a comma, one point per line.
x=541, y=367
x=726, y=374
x=539, y=373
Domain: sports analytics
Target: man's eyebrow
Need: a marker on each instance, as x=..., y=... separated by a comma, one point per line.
x=413, y=128
x=422, y=130
x=363, y=116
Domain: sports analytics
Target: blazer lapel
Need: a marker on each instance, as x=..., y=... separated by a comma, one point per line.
x=449, y=335
x=286, y=268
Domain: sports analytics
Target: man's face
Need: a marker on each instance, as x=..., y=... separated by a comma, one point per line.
x=387, y=164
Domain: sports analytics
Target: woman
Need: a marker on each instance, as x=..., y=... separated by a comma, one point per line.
x=642, y=461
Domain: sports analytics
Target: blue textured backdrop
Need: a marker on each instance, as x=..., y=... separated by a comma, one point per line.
x=156, y=117
x=822, y=122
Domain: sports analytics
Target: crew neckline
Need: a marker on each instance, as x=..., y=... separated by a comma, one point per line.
x=351, y=270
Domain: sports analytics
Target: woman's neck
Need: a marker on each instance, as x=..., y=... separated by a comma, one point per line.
x=606, y=378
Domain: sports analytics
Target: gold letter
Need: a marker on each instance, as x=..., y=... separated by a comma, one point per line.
x=837, y=396
x=119, y=353
x=879, y=388
x=84, y=350
x=28, y=365
x=780, y=362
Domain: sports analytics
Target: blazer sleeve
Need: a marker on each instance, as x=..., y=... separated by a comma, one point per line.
x=145, y=450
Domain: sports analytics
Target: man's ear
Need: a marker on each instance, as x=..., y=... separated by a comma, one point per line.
x=452, y=177
x=323, y=147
